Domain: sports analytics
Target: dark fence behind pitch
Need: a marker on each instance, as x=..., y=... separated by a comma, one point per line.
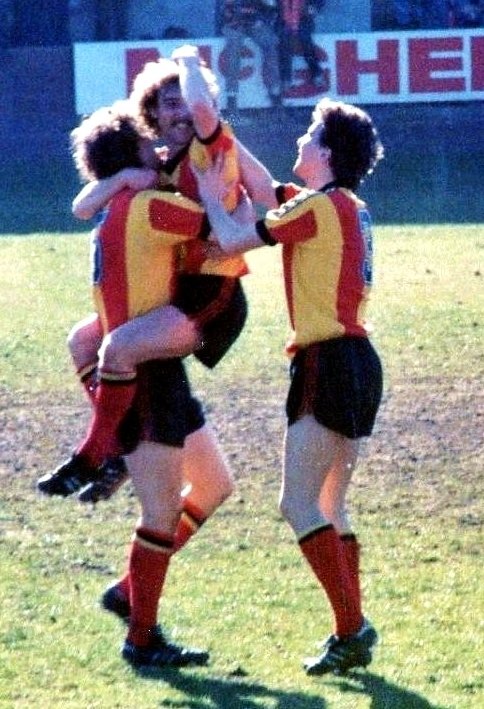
x=431, y=173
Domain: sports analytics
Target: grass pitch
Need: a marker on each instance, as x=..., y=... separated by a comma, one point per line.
x=240, y=587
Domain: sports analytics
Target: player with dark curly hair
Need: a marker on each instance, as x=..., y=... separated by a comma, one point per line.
x=336, y=375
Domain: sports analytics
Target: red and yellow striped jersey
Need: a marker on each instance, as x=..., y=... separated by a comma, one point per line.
x=326, y=242
x=136, y=252
x=176, y=174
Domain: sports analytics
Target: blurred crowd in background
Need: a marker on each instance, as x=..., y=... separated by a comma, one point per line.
x=428, y=14
x=62, y=22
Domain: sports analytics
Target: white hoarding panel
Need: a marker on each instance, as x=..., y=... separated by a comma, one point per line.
x=373, y=67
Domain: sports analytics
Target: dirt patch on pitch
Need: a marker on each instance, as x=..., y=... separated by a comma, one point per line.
x=427, y=447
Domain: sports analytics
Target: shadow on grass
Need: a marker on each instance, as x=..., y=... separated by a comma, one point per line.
x=384, y=695
x=221, y=693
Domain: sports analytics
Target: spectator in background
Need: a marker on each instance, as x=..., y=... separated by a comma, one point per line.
x=111, y=19
x=296, y=27
x=421, y=14
x=255, y=19
x=175, y=32
x=98, y=20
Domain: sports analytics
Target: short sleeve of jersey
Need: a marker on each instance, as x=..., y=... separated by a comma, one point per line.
x=295, y=221
x=168, y=216
x=285, y=192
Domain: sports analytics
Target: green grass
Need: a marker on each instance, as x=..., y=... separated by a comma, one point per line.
x=240, y=587
x=429, y=299
x=428, y=295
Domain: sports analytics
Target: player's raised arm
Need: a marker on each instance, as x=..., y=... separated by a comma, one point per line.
x=199, y=90
x=256, y=178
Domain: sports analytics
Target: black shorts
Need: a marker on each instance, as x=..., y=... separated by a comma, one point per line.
x=339, y=382
x=164, y=410
x=218, y=306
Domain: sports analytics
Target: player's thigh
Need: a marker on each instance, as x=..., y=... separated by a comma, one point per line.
x=162, y=333
x=156, y=472
x=338, y=478
x=309, y=451
x=206, y=468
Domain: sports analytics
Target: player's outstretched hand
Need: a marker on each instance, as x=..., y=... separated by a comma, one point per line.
x=211, y=184
x=244, y=213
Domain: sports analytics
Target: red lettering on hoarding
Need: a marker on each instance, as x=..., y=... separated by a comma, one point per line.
x=449, y=62
x=135, y=61
x=477, y=59
x=349, y=66
x=304, y=86
x=205, y=52
x=423, y=63
x=137, y=58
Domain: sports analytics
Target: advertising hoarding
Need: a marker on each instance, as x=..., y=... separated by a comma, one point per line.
x=367, y=68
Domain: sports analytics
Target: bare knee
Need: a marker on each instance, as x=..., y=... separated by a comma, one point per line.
x=302, y=512
x=114, y=353
x=206, y=469
x=186, y=337
x=225, y=487
x=84, y=340
x=288, y=507
x=211, y=493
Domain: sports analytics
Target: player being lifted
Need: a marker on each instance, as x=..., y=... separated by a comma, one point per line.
x=177, y=102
